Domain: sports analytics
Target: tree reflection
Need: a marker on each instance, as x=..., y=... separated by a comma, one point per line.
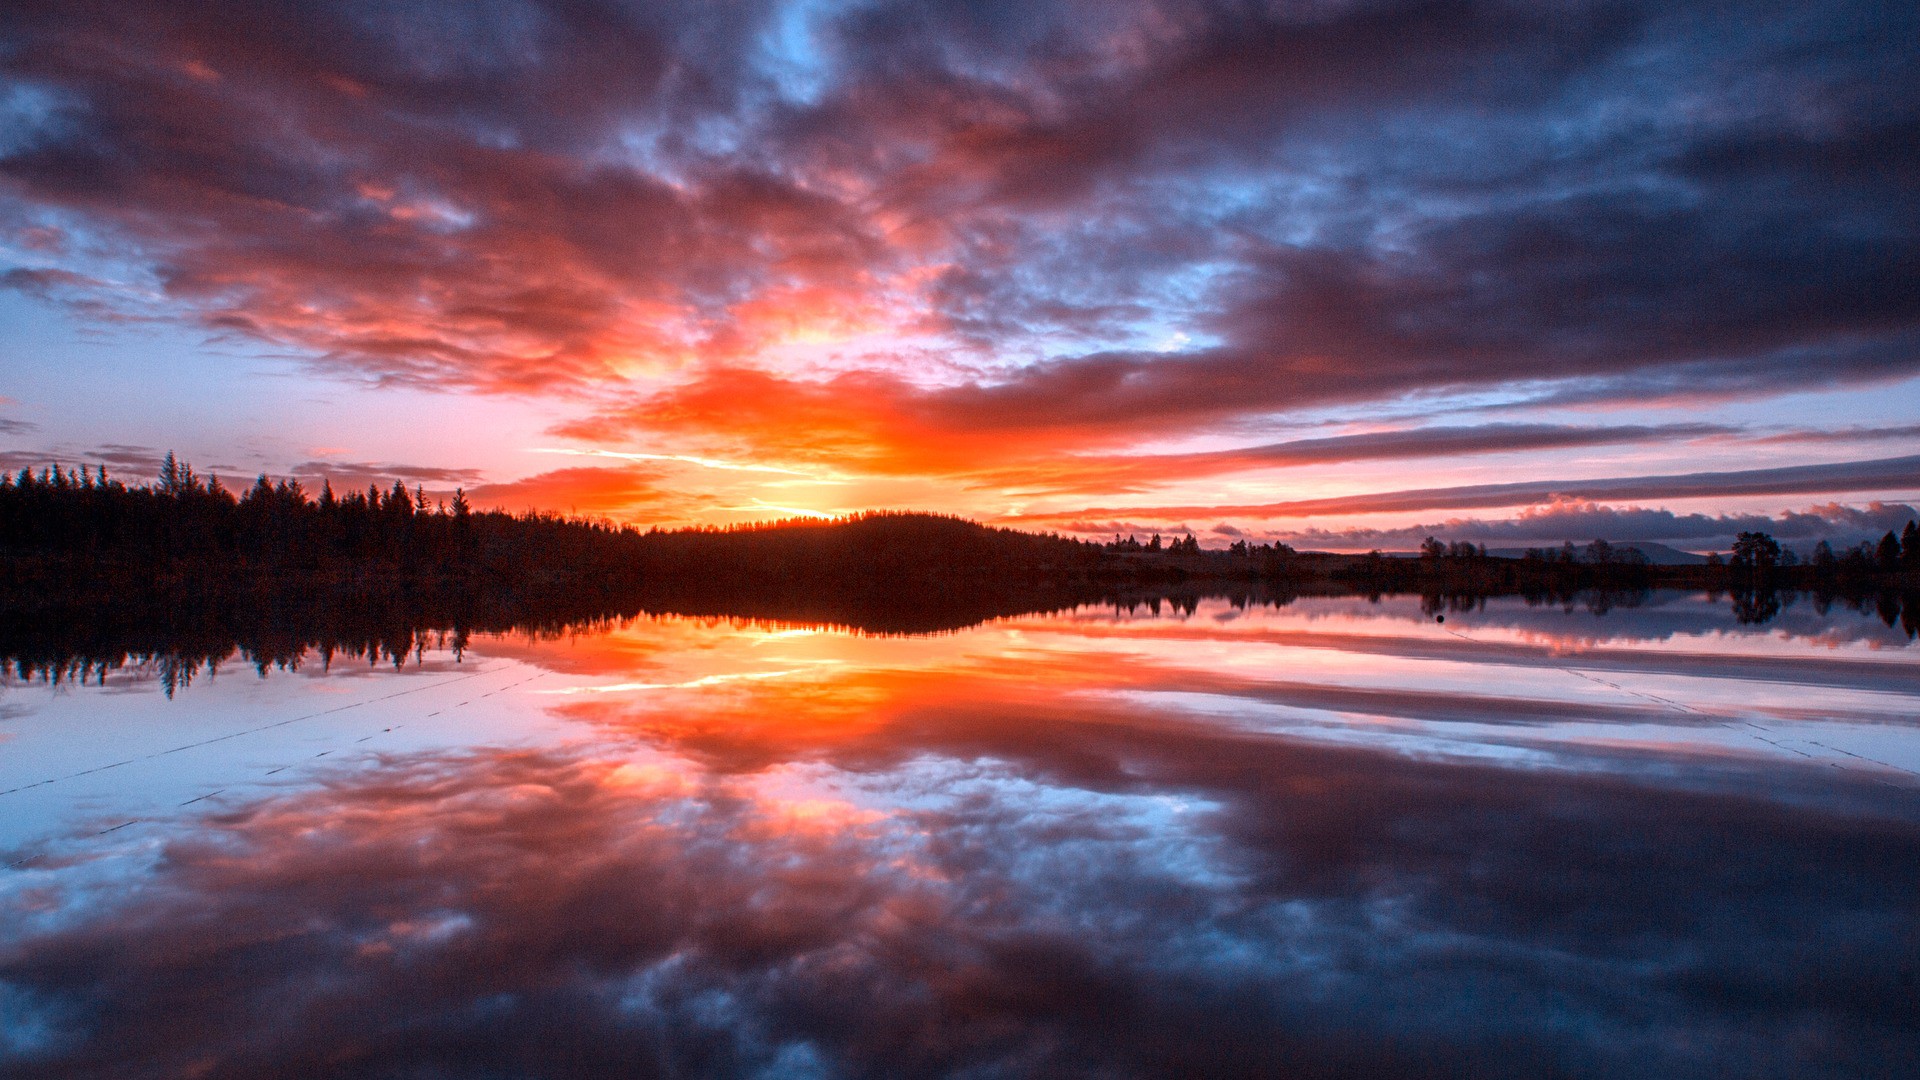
x=1755, y=607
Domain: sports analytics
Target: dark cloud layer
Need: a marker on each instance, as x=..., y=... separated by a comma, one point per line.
x=1901, y=473
x=142, y=462
x=1579, y=521
x=1335, y=202
x=345, y=475
x=1088, y=473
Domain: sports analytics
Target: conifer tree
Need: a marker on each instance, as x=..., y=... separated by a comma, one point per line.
x=1888, y=553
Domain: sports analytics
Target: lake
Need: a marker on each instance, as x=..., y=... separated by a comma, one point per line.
x=1334, y=837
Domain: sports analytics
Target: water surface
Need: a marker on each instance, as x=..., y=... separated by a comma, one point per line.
x=1336, y=837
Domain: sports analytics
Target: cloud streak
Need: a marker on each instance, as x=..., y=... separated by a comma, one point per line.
x=1580, y=520
x=1088, y=473
x=1898, y=473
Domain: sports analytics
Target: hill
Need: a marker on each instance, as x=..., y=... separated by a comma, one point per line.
x=1657, y=554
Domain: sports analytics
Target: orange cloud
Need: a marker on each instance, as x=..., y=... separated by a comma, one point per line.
x=1005, y=437
x=590, y=490
x=865, y=420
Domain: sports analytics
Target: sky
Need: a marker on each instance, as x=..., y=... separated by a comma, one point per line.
x=1342, y=274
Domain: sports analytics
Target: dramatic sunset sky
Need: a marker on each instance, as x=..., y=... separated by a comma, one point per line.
x=1342, y=273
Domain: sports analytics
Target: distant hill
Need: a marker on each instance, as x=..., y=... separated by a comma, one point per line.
x=1662, y=555
x=1657, y=554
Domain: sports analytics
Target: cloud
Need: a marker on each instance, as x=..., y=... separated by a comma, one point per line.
x=1581, y=520
x=350, y=475
x=883, y=423
x=414, y=198
x=594, y=491
x=1877, y=474
x=1844, y=434
x=45, y=281
x=986, y=223
x=142, y=461
x=1088, y=474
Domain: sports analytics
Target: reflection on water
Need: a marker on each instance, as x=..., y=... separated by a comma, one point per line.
x=1337, y=837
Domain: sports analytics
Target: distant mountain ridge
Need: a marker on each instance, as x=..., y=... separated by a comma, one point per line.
x=1657, y=554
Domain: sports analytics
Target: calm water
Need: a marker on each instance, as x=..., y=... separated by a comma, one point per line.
x=1332, y=838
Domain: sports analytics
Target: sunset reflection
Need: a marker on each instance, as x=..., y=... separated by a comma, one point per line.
x=1072, y=844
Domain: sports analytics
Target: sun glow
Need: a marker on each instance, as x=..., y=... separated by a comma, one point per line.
x=689, y=684
x=685, y=459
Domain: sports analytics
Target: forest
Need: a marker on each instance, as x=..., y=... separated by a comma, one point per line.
x=79, y=544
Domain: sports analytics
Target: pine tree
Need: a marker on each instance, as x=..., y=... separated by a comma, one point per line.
x=170, y=476
x=1888, y=553
x=1823, y=559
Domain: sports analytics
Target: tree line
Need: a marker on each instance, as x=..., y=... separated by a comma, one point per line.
x=91, y=546
x=80, y=538
x=69, y=534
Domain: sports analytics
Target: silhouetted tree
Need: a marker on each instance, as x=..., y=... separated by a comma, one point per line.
x=1755, y=553
x=1823, y=559
x=1888, y=553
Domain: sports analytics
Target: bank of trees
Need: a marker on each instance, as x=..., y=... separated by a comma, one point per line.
x=72, y=533
x=1896, y=553
x=77, y=537
x=1894, y=559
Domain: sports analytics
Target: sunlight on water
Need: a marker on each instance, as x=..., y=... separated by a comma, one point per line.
x=1333, y=835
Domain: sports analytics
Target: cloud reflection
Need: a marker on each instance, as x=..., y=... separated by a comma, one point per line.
x=989, y=888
